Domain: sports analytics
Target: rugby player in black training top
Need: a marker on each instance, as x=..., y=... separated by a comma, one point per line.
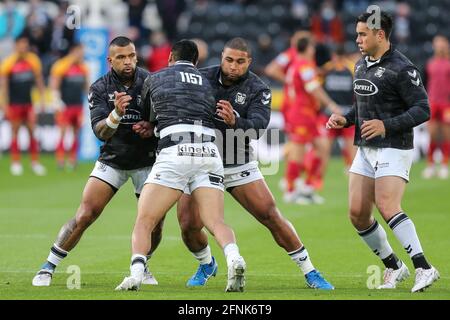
x=243, y=111
x=128, y=151
x=182, y=103
x=390, y=100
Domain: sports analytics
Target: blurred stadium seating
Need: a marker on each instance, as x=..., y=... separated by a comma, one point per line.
x=213, y=21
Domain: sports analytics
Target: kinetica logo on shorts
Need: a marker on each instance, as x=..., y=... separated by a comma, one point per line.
x=364, y=87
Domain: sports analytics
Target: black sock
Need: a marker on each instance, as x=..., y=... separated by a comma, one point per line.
x=419, y=261
x=392, y=262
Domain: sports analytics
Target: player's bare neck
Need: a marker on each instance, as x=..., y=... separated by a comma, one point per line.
x=381, y=50
x=305, y=57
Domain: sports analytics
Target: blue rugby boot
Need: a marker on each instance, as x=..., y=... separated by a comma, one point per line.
x=316, y=281
x=204, y=272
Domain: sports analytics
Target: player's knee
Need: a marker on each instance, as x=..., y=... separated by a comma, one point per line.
x=189, y=224
x=87, y=214
x=190, y=228
x=268, y=213
x=386, y=207
x=358, y=219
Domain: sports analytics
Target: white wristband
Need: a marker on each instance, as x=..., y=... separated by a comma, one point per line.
x=110, y=124
x=116, y=116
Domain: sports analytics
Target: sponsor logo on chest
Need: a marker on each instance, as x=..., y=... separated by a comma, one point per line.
x=364, y=87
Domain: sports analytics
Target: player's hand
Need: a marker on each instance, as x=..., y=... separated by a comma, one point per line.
x=144, y=129
x=336, y=121
x=121, y=102
x=225, y=111
x=372, y=128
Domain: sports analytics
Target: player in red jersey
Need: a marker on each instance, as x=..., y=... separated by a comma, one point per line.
x=277, y=70
x=69, y=83
x=305, y=95
x=19, y=72
x=438, y=72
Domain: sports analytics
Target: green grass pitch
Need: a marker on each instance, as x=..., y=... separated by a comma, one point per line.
x=32, y=209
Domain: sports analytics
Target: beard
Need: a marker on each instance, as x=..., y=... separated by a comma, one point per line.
x=230, y=78
x=126, y=76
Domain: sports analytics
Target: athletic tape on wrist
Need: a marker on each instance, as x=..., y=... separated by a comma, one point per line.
x=110, y=124
x=116, y=116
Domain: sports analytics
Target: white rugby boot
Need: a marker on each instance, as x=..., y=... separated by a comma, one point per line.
x=236, y=278
x=38, y=169
x=43, y=278
x=425, y=278
x=149, y=278
x=392, y=277
x=129, y=283
x=429, y=172
x=443, y=172
x=16, y=169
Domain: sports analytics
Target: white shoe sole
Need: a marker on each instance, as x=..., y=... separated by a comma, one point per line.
x=150, y=280
x=237, y=282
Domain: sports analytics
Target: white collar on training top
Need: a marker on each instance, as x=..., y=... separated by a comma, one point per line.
x=184, y=62
x=371, y=62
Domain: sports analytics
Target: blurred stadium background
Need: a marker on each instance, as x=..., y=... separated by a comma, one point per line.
x=153, y=25
x=32, y=208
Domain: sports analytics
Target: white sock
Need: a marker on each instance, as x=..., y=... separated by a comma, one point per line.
x=56, y=255
x=203, y=256
x=405, y=231
x=376, y=239
x=231, y=251
x=301, y=258
x=137, y=266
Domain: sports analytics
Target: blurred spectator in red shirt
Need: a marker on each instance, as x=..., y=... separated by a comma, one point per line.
x=438, y=72
x=326, y=25
x=159, y=51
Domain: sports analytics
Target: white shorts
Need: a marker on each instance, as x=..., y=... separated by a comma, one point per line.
x=238, y=176
x=117, y=178
x=188, y=167
x=381, y=162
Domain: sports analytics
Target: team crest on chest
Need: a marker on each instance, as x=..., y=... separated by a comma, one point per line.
x=240, y=98
x=380, y=72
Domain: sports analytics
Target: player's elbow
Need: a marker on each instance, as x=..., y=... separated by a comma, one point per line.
x=269, y=70
x=273, y=71
x=425, y=113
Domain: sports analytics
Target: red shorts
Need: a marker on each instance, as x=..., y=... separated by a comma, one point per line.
x=333, y=133
x=20, y=113
x=347, y=133
x=303, y=131
x=440, y=112
x=70, y=116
